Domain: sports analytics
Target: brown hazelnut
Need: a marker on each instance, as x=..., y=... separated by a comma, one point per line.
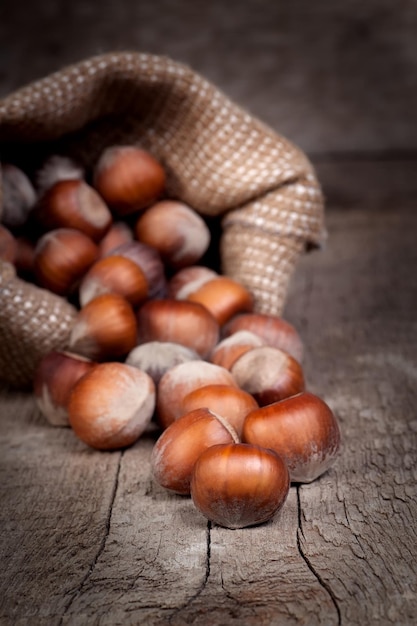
x=189, y=279
x=274, y=330
x=128, y=178
x=62, y=257
x=111, y=406
x=232, y=403
x=223, y=297
x=237, y=485
x=25, y=258
x=269, y=374
x=228, y=350
x=114, y=274
x=104, y=329
x=149, y=261
x=186, y=323
x=118, y=234
x=8, y=245
x=180, y=445
x=180, y=380
x=179, y=234
x=73, y=204
x=302, y=429
x=157, y=357
x=54, y=379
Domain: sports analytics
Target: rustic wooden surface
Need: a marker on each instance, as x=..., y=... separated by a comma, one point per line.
x=89, y=538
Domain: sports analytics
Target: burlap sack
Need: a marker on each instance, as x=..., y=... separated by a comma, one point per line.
x=219, y=159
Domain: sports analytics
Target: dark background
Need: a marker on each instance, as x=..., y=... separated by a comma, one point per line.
x=338, y=78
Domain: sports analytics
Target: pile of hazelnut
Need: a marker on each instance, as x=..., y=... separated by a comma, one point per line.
x=159, y=337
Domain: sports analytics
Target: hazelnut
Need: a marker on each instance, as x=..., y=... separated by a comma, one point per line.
x=189, y=279
x=302, y=430
x=54, y=379
x=186, y=323
x=118, y=234
x=62, y=257
x=55, y=169
x=104, y=329
x=73, y=204
x=19, y=196
x=8, y=245
x=114, y=274
x=128, y=178
x=237, y=485
x=179, y=234
x=25, y=258
x=228, y=350
x=180, y=380
x=157, y=357
x=232, y=403
x=180, y=445
x=269, y=374
x=223, y=297
x=149, y=261
x=274, y=330
x=111, y=406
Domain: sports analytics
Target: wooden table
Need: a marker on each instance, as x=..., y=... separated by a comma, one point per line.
x=89, y=538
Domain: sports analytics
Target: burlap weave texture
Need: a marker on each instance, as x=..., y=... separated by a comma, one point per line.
x=219, y=159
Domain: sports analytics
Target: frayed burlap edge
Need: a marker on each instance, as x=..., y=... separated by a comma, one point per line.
x=33, y=321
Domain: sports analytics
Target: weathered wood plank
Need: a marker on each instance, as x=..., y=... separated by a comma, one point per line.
x=360, y=327
x=155, y=557
x=87, y=537
x=258, y=576
x=162, y=561
x=78, y=523
x=55, y=499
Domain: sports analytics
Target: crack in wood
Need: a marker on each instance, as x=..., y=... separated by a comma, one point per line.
x=205, y=581
x=310, y=566
x=234, y=612
x=208, y=560
x=101, y=547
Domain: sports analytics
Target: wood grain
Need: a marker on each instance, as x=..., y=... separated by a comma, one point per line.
x=56, y=498
x=87, y=537
x=361, y=325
